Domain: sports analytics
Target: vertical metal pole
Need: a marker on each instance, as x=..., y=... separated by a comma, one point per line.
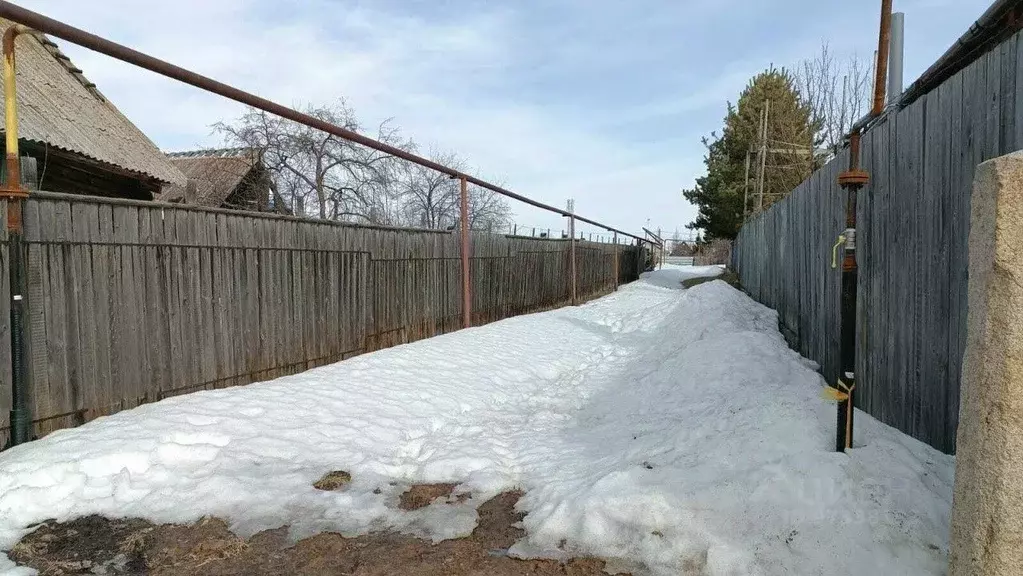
x=616, y=260
x=660, y=259
x=571, y=237
x=895, y=56
x=15, y=194
x=883, y=38
x=851, y=181
x=466, y=293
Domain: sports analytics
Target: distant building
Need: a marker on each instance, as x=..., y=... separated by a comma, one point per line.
x=233, y=178
x=81, y=142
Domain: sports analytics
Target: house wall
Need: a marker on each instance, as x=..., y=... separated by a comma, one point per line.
x=69, y=173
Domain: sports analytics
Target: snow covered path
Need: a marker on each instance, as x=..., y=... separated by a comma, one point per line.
x=670, y=429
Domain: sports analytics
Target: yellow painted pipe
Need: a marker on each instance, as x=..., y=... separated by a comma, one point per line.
x=11, y=109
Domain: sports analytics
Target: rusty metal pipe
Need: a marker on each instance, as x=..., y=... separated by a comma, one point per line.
x=883, y=46
x=85, y=39
x=854, y=150
x=464, y=232
x=851, y=181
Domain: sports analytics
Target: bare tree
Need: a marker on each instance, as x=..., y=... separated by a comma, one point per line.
x=432, y=199
x=488, y=210
x=837, y=93
x=428, y=198
x=341, y=178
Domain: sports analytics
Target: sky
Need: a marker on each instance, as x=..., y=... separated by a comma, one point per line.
x=603, y=101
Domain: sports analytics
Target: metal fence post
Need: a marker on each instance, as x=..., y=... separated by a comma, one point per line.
x=466, y=286
x=616, y=260
x=571, y=251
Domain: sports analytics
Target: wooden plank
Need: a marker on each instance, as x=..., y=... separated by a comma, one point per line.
x=1007, y=97
x=157, y=344
x=5, y=335
x=103, y=294
x=61, y=317
x=37, y=284
x=992, y=110
x=205, y=224
x=961, y=182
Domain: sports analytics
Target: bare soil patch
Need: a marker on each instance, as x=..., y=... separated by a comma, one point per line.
x=97, y=545
x=421, y=495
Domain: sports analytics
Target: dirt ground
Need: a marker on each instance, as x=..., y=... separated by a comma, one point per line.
x=97, y=545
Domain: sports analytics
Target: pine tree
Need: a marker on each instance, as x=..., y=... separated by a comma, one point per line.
x=790, y=129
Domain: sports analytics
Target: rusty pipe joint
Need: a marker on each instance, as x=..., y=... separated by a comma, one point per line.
x=855, y=177
x=11, y=188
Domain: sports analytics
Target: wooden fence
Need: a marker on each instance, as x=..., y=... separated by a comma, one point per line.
x=911, y=247
x=131, y=302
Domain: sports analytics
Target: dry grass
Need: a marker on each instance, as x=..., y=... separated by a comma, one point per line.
x=727, y=276
x=333, y=481
x=208, y=548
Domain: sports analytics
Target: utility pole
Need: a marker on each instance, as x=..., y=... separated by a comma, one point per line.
x=763, y=155
x=745, y=191
x=662, y=247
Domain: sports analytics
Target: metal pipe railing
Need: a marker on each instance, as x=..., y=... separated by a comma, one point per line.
x=96, y=43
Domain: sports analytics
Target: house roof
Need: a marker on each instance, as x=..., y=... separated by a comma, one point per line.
x=215, y=173
x=59, y=107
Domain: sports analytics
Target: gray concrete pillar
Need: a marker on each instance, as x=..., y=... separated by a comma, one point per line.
x=987, y=513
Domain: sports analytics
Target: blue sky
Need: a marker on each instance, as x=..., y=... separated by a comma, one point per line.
x=601, y=100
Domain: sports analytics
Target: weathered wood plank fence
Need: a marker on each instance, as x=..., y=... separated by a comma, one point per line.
x=913, y=225
x=131, y=302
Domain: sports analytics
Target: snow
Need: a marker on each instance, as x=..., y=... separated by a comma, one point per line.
x=670, y=430
x=671, y=276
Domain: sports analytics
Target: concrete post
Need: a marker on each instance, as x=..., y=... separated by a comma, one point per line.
x=987, y=511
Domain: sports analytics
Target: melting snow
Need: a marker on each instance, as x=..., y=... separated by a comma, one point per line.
x=668, y=429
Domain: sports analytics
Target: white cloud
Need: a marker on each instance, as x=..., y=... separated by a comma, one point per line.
x=529, y=93
x=432, y=77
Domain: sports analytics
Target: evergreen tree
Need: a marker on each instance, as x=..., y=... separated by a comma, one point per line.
x=790, y=132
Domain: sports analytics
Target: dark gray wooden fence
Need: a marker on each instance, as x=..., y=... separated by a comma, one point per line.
x=131, y=302
x=913, y=226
